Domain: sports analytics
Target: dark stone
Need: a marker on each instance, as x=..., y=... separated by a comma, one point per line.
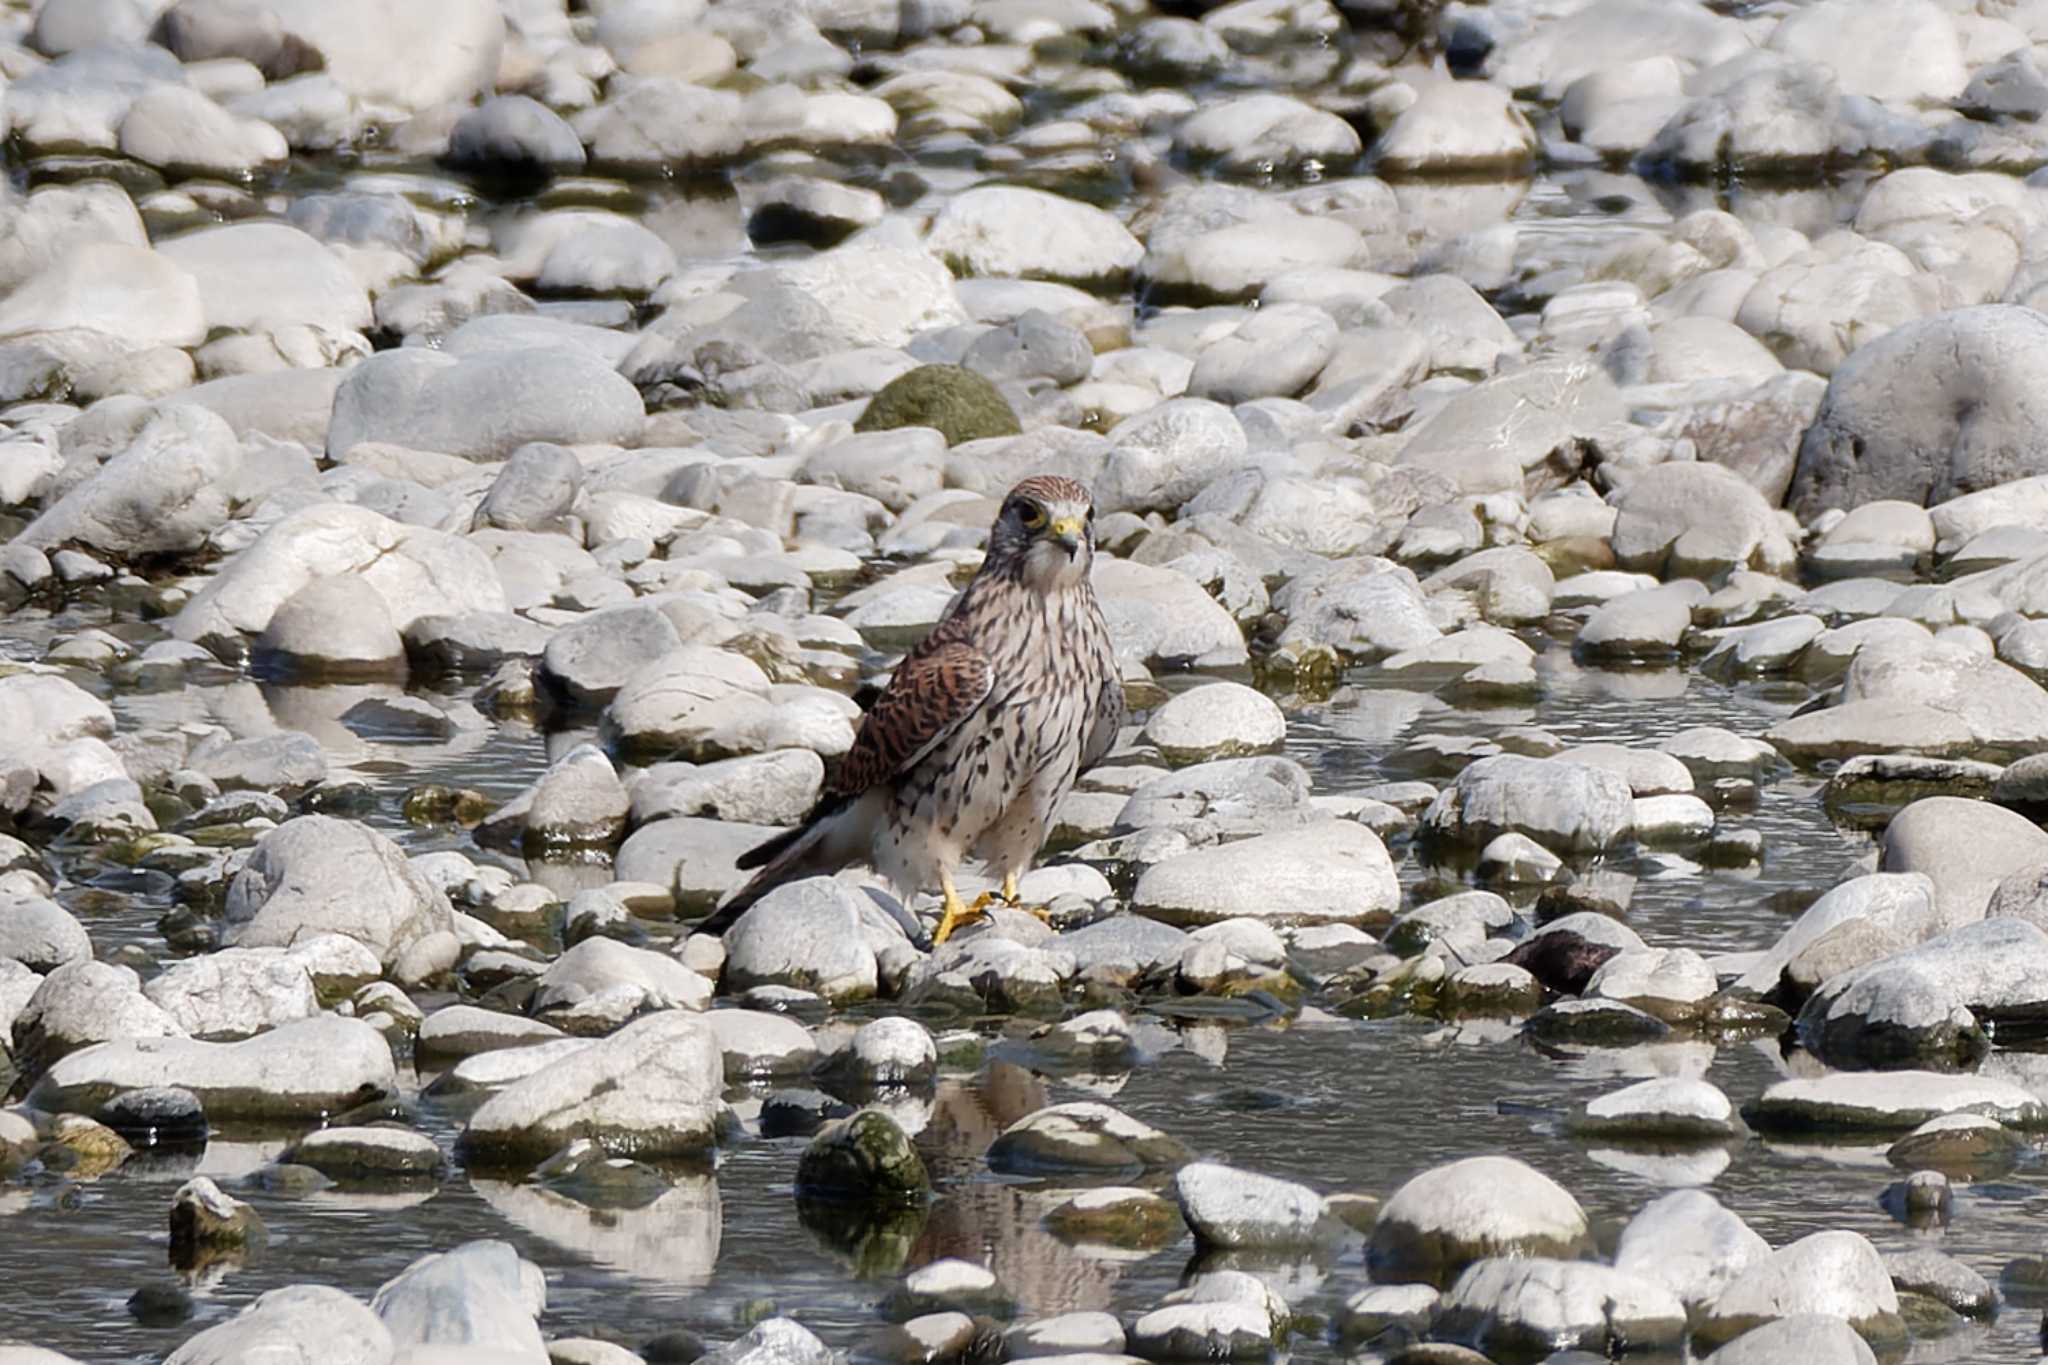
x=799, y=1113
x=863, y=1159
x=1593, y=1023
x=160, y=1305
x=157, y=1116
x=678, y=1347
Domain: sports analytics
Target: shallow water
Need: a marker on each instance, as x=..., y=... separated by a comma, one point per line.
x=1340, y=1104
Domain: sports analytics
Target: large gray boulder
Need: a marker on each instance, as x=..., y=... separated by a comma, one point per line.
x=41, y=934
x=300, y=1071
x=480, y=1297
x=1513, y=1305
x=1966, y=847
x=1934, y=697
x=301, y=1322
x=1019, y=233
x=1857, y=921
x=1838, y=1273
x=1164, y=456
x=260, y=277
x=418, y=572
x=807, y=935
x=601, y=983
x=1810, y=1338
x=1227, y=1207
x=1335, y=872
x=393, y=54
x=1690, y=1244
x=483, y=407
x=234, y=993
x=1934, y=1004
x=1452, y=1215
x=650, y=1090
x=319, y=875
x=1947, y=405
x=333, y=629
x=1164, y=619
x=1872, y=1102
x=83, y=1003
x=171, y=487
x=1566, y=807
x=1499, y=434
x=1696, y=520
x=1363, y=609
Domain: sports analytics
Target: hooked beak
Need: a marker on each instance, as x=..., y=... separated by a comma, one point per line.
x=1070, y=532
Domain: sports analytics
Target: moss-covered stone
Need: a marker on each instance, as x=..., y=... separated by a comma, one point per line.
x=1118, y=1216
x=865, y=1158
x=432, y=804
x=207, y=1223
x=84, y=1148
x=956, y=402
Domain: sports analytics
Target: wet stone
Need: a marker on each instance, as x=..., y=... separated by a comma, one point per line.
x=1965, y=1145
x=865, y=1159
x=1450, y=1216
x=799, y=1113
x=157, y=1116
x=948, y=1285
x=1667, y=1109
x=1689, y=1243
x=368, y=1153
x=1520, y=1304
x=205, y=1219
x=1082, y=1137
x=1838, y=1273
x=1932, y=1274
x=1118, y=1216
x=1232, y=1208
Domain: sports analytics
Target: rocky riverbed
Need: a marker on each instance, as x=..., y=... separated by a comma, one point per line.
x=1574, y=512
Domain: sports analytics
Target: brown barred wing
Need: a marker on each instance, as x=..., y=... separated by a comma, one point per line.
x=933, y=692
x=1105, y=718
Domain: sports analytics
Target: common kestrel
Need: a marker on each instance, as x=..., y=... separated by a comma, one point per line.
x=981, y=732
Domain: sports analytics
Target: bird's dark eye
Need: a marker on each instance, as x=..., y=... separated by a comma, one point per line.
x=1033, y=516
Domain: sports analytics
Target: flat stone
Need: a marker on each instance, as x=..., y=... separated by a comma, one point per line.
x=1888, y=1101
x=1335, y=872
x=1084, y=1136
x=298, y=1070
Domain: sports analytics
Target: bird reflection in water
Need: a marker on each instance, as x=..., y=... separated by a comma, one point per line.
x=1001, y=1224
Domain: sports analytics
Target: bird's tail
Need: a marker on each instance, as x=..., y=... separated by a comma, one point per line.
x=808, y=849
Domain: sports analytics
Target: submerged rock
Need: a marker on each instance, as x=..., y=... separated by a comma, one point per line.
x=1084, y=1136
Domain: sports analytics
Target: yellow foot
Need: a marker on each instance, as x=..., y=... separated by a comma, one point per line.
x=1037, y=912
x=954, y=913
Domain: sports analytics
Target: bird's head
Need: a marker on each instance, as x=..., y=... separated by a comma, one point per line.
x=1045, y=534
